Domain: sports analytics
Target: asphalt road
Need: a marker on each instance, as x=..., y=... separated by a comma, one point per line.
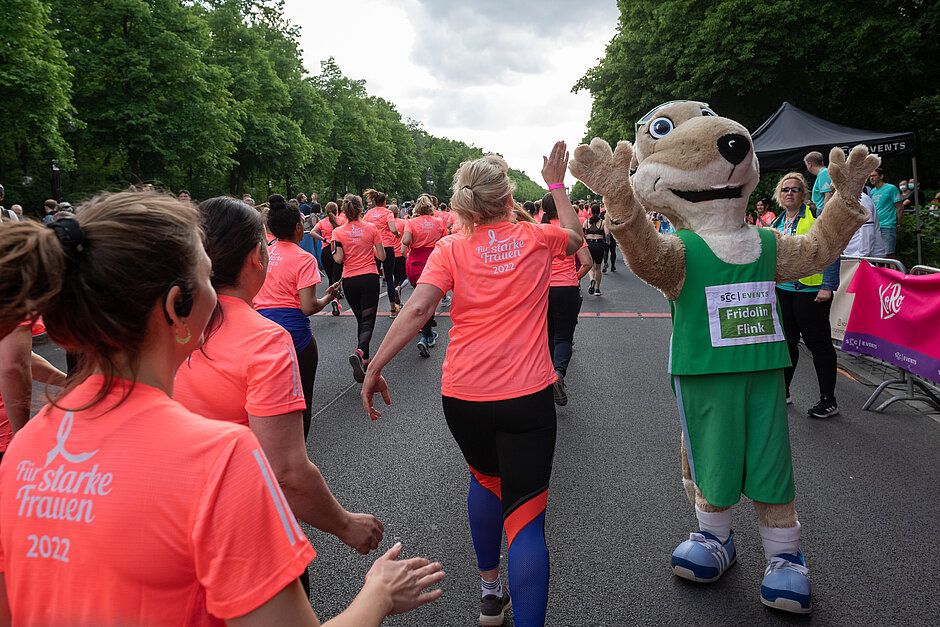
x=866, y=487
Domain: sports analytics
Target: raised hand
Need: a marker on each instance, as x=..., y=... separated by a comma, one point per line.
x=555, y=166
x=605, y=171
x=849, y=175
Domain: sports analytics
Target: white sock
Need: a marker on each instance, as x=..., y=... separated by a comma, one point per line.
x=780, y=540
x=716, y=523
x=495, y=587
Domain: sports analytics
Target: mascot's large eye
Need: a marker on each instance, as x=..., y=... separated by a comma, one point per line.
x=659, y=127
x=708, y=112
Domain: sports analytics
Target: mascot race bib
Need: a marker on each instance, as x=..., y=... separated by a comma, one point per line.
x=743, y=313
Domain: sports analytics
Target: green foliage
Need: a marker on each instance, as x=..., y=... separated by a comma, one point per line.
x=526, y=188
x=930, y=238
x=862, y=64
x=35, y=81
x=580, y=191
x=208, y=95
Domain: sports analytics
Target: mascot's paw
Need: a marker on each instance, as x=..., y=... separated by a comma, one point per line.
x=786, y=583
x=605, y=171
x=849, y=175
x=703, y=558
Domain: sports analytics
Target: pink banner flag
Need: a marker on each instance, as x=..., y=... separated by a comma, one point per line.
x=896, y=317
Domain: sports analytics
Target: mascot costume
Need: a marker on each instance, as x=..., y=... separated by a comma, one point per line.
x=727, y=352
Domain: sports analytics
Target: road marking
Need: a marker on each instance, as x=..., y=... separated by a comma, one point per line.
x=338, y=396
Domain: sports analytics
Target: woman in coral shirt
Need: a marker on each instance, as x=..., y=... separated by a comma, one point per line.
x=421, y=234
x=356, y=245
x=323, y=230
x=497, y=375
x=383, y=220
x=140, y=511
x=289, y=294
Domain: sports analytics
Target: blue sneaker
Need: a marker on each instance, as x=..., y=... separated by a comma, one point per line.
x=703, y=557
x=423, y=347
x=431, y=341
x=786, y=584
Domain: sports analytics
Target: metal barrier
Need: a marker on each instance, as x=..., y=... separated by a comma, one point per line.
x=906, y=378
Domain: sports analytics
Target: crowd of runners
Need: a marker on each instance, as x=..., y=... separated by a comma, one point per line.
x=208, y=317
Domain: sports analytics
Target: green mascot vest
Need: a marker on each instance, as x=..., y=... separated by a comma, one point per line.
x=725, y=318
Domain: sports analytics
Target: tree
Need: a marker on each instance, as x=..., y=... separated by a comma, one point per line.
x=35, y=80
x=142, y=87
x=862, y=64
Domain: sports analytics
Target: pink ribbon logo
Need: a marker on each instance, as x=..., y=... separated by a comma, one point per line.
x=65, y=428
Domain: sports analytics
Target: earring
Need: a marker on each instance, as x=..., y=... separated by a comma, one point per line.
x=185, y=340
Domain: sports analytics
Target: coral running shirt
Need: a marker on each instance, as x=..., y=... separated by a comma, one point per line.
x=247, y=367
x=141, y=513
x=379, y=217
x=425, y=231
x=290, y=269
x=499, y=342
x=358, y=239
x=564, y=270
x=400, y=225
x=326, y=229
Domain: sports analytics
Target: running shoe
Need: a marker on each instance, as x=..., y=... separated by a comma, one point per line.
x=431, y=341
x=597, y=291
x=423, y=349
x=393, y=310
x=703, y=558
x=493, y=609
x=336, y=307
x=591, y=288
x=825, y=408
x=559, y=391
x=341, y=294
x=786, y=584
x=789, y=398
x=358, y=366
x=398, y=294
x=446, y=300
x=604, y=270
x=613, y=268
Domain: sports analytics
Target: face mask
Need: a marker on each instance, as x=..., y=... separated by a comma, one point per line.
x=910, y=186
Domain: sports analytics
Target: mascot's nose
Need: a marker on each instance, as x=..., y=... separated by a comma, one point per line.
x=734, y=147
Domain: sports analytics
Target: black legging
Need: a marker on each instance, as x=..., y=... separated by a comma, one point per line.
x=362, y=294
x=801, y=315
x=610, y=249
x=307, y=361
x=564, y=304
x=334, y=271
x=400, y=274
x=387, y=267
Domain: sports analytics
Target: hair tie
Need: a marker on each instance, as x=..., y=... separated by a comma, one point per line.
x=71, y=236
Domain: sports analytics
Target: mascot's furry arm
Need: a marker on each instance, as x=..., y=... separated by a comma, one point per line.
x=657, y=259
x=802, y=255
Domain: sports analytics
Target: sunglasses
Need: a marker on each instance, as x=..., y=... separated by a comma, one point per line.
x=795, y=190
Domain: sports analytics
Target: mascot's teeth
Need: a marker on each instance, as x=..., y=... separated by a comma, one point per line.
x=708, y=194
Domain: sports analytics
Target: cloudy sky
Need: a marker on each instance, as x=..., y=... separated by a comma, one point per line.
x=496, y=74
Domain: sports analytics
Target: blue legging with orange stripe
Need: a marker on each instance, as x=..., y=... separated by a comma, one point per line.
x=509, y=445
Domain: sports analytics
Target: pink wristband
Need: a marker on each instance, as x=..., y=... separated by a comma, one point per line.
x=556, y=186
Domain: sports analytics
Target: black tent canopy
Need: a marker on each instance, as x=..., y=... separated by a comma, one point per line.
x=784, y=139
